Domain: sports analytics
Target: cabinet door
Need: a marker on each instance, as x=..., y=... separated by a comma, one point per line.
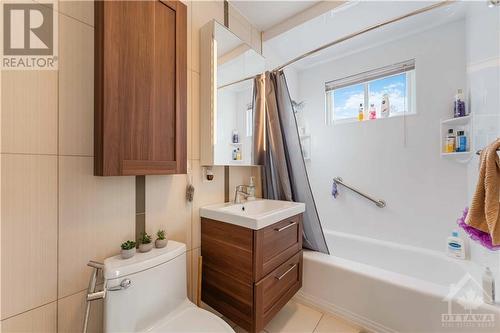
x=140, y=88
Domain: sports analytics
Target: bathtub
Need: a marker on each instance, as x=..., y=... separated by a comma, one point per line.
x=388, y=287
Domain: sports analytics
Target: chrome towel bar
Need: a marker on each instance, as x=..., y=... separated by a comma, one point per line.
x=379, y=203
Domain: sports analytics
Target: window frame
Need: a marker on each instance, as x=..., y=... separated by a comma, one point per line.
x=365, y=78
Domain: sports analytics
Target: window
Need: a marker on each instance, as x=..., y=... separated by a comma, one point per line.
x=344, y=96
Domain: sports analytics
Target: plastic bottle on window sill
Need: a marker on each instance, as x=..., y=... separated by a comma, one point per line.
x=385, y=107
x=373, y=112
x=361, y=112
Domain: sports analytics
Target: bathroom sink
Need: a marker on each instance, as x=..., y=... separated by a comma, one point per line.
x=255, y=214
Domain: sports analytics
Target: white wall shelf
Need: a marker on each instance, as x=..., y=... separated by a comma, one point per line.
x=457, y=124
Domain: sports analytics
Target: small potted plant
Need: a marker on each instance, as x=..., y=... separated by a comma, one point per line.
x=145, y=243
x=128, y=249
x=161, y=240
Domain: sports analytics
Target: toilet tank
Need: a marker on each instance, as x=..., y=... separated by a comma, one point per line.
x=157, y=286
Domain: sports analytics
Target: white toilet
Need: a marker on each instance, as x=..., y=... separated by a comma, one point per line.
x=147, y=293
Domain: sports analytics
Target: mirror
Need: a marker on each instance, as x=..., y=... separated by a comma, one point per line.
x=226, y=108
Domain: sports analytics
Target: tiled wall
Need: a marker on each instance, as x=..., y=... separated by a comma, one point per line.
x=55, y=215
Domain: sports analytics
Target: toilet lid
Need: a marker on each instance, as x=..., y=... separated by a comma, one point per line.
x=193, y=320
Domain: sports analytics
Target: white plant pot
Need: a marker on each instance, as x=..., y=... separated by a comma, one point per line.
x=159, y=243
x=127, y=253
x=145, y=247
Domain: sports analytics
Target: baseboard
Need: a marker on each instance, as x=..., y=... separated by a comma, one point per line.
x=367, y=325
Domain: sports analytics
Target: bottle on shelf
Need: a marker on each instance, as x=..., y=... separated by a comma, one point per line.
x=235, y=137
x=373, y=112
x=361, y=112
x=459, y=105
x=461, y=145
x=451, y=141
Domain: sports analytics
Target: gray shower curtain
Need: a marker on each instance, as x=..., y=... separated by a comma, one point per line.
x=278, y=149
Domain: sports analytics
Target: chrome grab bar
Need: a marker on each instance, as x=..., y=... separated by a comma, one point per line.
x=287, y=271
x=378, y=202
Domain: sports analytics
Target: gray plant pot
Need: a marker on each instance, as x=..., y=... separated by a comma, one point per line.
x=159, y=243
x=127, y=253
x=145, y=247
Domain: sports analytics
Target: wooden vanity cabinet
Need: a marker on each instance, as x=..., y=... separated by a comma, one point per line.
x=140, y=87
x=249, y=275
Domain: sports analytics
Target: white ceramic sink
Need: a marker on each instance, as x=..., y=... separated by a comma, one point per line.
x=255, y=214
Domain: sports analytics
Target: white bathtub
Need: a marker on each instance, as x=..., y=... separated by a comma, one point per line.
x=387, y=287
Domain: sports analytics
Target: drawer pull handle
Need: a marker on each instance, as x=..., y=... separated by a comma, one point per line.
x=287, y=271
x=285, y=227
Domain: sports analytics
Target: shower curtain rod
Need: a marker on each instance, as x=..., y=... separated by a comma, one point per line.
x=355, y=34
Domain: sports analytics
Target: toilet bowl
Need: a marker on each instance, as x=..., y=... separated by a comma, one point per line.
x=147, y=293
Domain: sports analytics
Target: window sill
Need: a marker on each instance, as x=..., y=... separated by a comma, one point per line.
x=355, y=120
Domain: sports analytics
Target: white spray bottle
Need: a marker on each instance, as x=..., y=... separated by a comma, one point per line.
x=385, y=107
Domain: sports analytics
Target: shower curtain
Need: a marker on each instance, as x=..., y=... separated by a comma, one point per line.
x=278, y=149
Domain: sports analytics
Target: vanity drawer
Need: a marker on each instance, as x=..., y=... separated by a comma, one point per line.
x=275, y=244
x=277, y=288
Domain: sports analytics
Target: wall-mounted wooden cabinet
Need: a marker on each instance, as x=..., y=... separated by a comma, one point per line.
x=140, y=87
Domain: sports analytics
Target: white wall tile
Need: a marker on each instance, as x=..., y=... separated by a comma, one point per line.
x=29, y=112
x=167, y=207
x=96, y=214
x=39, y=320
x=29, y=232
x=76, y=87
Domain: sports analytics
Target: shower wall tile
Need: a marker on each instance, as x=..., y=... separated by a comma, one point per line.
x=96, y=214
x=80, y=10
x=39, y=320
x=167, y=207
x=71, y=311
x=29, y=232
x=29, y=112
x=76, y=87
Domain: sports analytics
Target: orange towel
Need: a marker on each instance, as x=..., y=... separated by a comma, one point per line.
x=484, y=212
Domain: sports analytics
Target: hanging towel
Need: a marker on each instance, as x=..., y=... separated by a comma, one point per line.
x=484, y=212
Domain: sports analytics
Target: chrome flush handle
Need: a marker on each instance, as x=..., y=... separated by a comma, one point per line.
x=124, y=284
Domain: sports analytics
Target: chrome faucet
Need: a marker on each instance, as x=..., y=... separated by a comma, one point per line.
x=239, y=190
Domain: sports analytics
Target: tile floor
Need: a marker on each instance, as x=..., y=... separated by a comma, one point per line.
x=298, y=318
